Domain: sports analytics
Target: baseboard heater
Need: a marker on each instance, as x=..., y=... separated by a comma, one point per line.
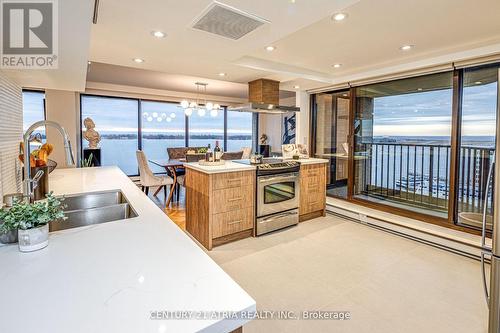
x=414, y=234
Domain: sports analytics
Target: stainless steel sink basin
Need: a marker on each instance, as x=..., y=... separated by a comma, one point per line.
x=94, y=208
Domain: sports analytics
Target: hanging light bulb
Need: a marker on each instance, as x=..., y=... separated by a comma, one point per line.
x=216, y=106
x=150, y=118
x=159, y=119
x=188, y=112
x=193, y=105
x=145, y=114
x=164, y=115
x=202, y=112
x=214, y=113
x=209, y=106
x=155, y=114
x=172, y=115
x=184, y=104
x=169, y=119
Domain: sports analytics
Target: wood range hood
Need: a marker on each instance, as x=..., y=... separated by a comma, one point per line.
x=264, y=97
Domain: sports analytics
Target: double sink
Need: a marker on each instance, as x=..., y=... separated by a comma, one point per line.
x=94, y=208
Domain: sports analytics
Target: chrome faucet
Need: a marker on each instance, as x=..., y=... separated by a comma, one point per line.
x=29, y=183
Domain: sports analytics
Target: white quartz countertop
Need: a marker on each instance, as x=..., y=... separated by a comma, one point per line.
x=110, y=277
x=231, y=166
x=228, y=166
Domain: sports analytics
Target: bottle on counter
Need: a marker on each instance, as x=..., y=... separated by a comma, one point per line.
x=209, y=154
x=217, y=152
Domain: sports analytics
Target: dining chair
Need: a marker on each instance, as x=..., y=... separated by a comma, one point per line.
x=232, y=155
x=148, y=179
x=194, y=157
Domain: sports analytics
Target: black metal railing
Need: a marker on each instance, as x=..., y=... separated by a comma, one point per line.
x=419, y=174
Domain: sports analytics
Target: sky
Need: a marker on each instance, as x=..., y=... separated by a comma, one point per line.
x=416, y=114
x=120, y=115
x=429, y=113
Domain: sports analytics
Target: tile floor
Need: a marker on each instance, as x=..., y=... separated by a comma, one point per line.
x=388, y=283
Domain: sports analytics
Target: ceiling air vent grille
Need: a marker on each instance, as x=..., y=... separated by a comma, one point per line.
x=226, y=21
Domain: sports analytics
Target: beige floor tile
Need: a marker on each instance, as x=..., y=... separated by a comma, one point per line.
x=388, y=283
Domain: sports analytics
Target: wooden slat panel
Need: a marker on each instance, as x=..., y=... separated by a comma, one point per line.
x=312, y=188
x=233, y=198
x=233, y=179
x=198, y=216
x=232, y=222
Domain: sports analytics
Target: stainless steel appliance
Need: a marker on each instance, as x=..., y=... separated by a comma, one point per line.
x=277, y=194
x=493, y=295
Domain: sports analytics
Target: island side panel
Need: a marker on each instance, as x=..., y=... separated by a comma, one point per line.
x=198, y=202
x=312, y=191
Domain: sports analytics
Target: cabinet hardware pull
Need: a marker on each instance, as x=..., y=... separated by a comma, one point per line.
x=235, y=222
x=235, y=199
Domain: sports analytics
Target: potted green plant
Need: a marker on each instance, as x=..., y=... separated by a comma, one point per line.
x=32, y=221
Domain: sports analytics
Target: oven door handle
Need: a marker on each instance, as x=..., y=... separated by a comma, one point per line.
x=272, y=179
x=270, y=219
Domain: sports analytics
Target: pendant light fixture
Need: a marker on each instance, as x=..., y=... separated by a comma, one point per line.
x=200, y=106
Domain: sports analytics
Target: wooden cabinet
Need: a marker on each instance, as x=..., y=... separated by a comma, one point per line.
x=312, y=191
x=220, y=207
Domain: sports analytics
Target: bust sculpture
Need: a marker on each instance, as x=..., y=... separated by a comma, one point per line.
x=90, y=134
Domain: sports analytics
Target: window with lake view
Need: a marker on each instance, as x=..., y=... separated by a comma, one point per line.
x=159, y=125
x=420, y=146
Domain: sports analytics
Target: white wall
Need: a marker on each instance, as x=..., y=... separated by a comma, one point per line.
x=11, y=131
x=63, y=107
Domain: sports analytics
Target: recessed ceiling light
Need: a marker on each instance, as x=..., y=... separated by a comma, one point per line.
x=478, y=82
x=419, y=89
x=296, y=87
x=158, y=34
x=270, y=48
x=337, y=65
x=406, y=47
x=138, y=60
x=293, y=1
x=89, y=62
x=222, y=74
x=339, y=16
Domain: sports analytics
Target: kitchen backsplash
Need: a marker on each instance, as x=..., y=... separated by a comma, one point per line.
x=11, y=131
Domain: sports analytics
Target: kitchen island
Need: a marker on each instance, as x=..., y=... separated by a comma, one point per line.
x=222, y=201
x=117, y=276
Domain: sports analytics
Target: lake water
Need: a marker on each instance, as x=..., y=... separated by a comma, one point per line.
x=121, y=152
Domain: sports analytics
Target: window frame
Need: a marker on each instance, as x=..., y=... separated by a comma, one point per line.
x=140, y=122
x=451, y=220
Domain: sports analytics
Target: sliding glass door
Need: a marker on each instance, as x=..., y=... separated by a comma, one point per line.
x=402, y=143
x=332, y=138
x=477, y=144
x=420, y=147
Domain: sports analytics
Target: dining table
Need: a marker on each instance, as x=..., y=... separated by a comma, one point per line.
x=172, y=167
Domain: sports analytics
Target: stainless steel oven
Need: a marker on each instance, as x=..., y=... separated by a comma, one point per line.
x=277, y=198
x=277, y=193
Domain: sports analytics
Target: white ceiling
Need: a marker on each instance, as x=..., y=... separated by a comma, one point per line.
x=307, y=41
x=74, y=40
x=124, y=30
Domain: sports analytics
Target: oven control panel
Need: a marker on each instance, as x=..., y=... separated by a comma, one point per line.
x=280, y=167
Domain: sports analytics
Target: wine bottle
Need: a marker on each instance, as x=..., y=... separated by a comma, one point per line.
x=217, y=152
x=208, y=154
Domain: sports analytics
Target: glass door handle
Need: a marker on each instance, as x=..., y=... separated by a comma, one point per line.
x=484, y=249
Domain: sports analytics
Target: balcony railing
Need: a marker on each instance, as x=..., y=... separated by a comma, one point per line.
x=419, y=175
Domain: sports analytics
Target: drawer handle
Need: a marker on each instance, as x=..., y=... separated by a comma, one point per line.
x=235, y=199
x=234, y=222
x=234, y=180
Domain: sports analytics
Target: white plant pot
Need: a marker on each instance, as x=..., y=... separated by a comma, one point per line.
x=33, y=239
